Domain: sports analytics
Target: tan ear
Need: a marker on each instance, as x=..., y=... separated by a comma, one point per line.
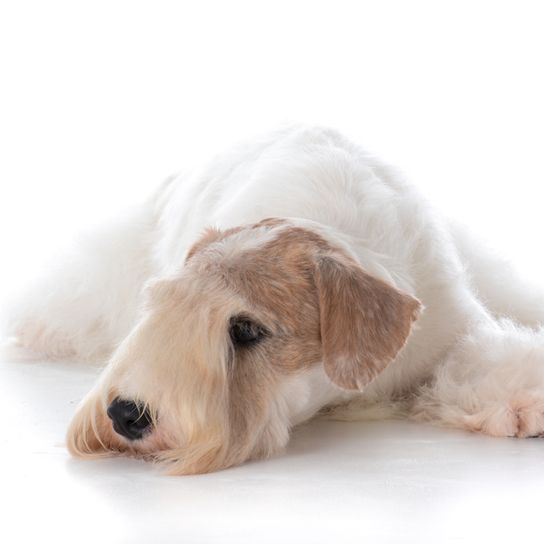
x=364, y=321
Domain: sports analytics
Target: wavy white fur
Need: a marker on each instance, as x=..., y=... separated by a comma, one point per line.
x=474, y=360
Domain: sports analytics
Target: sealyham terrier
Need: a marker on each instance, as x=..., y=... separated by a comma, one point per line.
x=292, y=276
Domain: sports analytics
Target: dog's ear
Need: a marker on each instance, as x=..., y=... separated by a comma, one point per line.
x=364, y=321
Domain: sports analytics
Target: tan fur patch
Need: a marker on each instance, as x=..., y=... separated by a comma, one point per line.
x=364, y=322
x=218, y=404
x=209, y=236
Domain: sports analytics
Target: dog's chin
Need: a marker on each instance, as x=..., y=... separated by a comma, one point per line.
x=91, y=436
x=91, y=440
x=202, y=458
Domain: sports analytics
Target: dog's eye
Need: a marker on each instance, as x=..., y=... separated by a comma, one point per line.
x=244, y=332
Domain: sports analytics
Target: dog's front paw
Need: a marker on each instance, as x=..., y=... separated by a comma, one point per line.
x=522, y=417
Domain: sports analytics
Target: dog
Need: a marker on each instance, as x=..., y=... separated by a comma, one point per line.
x=292, y=276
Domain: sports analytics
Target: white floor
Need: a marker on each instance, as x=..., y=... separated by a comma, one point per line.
x=338, y=482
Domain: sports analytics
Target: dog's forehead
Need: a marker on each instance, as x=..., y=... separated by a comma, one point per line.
x=221, y=242
x=271, y=238
x=270, y=263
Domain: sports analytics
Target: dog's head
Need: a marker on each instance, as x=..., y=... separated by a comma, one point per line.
x=263, y=325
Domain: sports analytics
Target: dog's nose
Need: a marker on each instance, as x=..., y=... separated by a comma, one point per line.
x=129, y=419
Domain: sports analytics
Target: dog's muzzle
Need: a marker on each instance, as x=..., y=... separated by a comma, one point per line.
x=129, y=419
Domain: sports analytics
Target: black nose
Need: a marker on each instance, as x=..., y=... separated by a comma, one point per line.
x=129, y=419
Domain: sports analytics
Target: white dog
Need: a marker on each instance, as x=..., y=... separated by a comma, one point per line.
x=292, y=274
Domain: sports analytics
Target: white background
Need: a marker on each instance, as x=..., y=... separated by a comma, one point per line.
x=100, y=100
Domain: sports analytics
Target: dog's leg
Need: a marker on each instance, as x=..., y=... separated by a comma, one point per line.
x=89, y=301
x=492, y=381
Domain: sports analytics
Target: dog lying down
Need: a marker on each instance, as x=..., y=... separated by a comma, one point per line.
x=295, y=274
